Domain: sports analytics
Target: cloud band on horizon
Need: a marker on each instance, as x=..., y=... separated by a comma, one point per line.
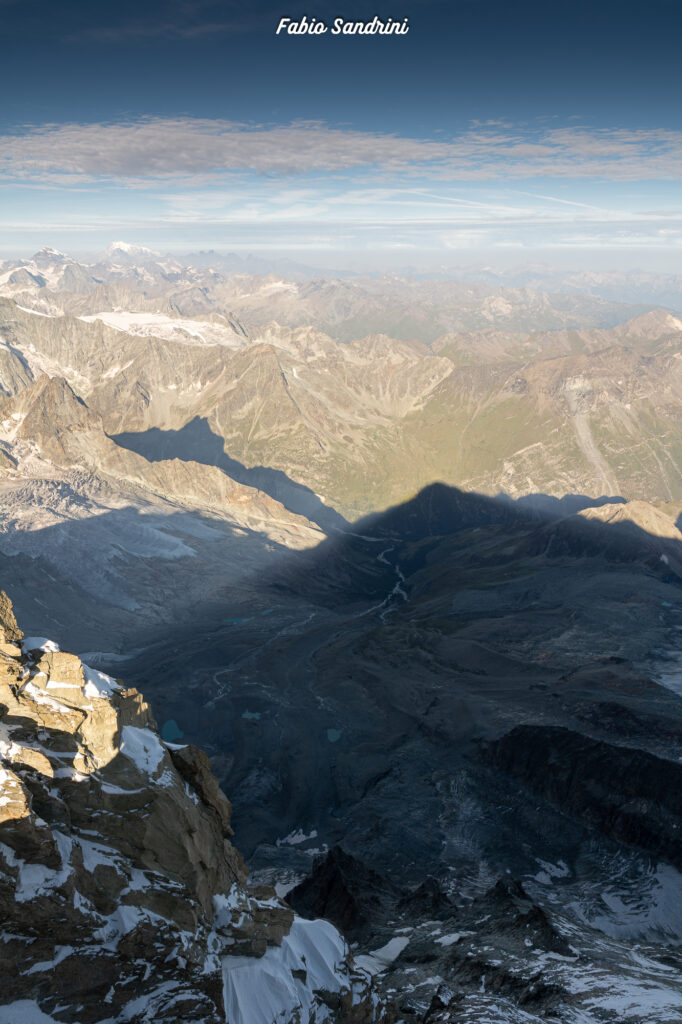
x=159, y=148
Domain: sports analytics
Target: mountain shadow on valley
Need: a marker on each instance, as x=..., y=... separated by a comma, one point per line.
x=196, y=442
x=397, y=651
x=349, y=567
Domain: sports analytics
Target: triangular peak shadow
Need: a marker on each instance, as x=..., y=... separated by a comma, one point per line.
x=360, y=560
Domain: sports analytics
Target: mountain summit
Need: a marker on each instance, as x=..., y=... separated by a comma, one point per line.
x=117, y=249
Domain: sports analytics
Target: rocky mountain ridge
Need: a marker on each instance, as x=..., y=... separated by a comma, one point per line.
x=368, y=423
x=121, y=895
x=636, y=285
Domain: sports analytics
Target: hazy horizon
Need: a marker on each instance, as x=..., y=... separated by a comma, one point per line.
x=506, y=130
x=376, y=262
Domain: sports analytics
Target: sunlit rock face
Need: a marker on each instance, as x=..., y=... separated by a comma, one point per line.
x=121, y=895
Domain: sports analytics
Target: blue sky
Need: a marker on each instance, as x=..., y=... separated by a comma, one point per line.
x=489, y=129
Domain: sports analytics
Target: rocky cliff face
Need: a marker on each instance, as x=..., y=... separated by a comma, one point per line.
x=628, y=794
x=121, y=895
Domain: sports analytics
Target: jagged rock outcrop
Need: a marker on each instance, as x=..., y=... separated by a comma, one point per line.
x=121, y=896
x=343, y=890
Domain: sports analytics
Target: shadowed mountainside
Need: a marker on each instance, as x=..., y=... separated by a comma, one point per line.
x=393, y=650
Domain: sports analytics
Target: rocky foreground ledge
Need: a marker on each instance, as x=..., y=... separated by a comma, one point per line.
x=121, y=896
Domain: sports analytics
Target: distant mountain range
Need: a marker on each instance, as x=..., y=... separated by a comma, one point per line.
x=131, y=277
x=641, y=286
x=133, y=395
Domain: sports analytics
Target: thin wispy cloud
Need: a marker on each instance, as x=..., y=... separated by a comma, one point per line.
x=557, y=199
x=158, y=148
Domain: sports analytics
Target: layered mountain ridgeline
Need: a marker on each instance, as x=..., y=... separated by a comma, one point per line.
x=101, y=545
x=455, y=705
x=368, y=423
x=121, y=895
x=143, y=448
x=132, y=278
x=616, y=285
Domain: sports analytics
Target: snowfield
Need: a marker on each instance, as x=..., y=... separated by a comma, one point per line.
x=156, y=325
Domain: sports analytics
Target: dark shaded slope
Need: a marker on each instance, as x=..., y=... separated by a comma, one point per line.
x=358, y=705
x=627, y=794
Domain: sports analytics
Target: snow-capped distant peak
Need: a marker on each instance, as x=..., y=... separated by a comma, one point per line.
x=49, y=255
x=132, y=250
